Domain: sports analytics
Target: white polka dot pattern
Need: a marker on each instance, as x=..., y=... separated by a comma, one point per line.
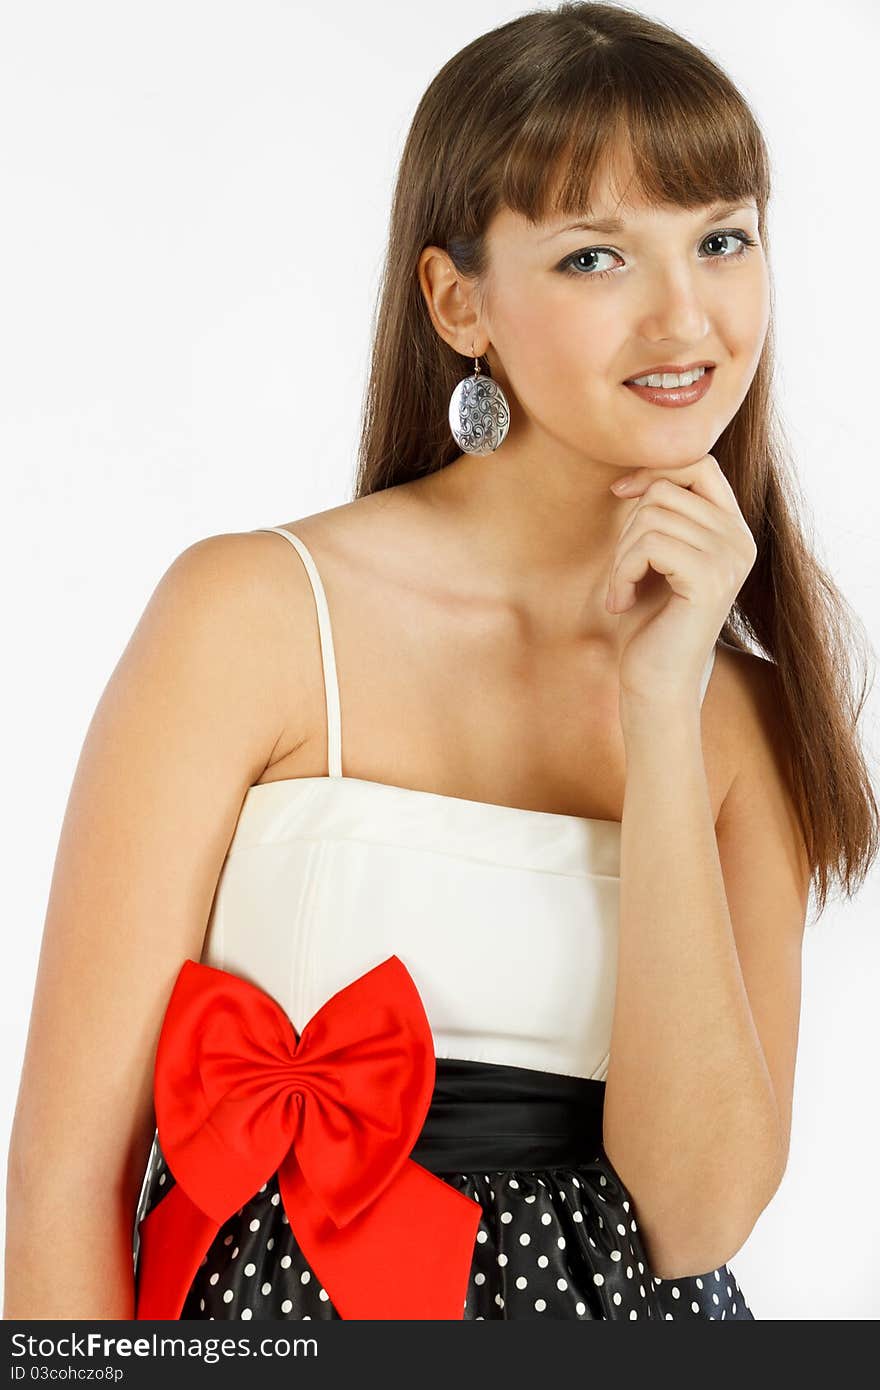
x=558, y=1243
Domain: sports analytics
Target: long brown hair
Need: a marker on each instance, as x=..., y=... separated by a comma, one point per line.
x=523, y=117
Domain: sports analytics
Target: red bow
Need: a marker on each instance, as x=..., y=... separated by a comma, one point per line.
x=335, y=1111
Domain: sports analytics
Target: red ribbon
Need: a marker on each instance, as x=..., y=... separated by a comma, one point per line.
x=335, y=1111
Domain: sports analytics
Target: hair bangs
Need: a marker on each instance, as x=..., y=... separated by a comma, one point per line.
x=659, y=134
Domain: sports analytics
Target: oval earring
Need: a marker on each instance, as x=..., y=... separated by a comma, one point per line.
x=479, y=414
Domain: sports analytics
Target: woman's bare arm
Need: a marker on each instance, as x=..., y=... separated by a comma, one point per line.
x=699, y=1090
x=189, y=719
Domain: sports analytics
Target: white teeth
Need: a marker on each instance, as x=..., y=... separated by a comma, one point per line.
x=667, y=379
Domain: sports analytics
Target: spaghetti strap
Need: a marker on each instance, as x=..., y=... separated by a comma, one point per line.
x=328, y=657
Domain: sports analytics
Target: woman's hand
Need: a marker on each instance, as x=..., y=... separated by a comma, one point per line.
x=681, y=559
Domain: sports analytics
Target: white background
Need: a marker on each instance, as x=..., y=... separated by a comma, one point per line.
x=195, y=204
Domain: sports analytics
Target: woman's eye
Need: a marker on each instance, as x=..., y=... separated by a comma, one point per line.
x=746, y=242
x=582, y=263
x=571, y=264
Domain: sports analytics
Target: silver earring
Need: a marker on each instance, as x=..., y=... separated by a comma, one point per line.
x=479, y=415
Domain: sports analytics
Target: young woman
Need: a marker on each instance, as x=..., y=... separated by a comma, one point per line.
x=436, y=867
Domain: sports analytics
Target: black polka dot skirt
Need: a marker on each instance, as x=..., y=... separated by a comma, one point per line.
x=558, y=1236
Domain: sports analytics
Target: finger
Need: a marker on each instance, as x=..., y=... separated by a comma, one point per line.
x=662, y=519
x=672, y=498
x=703, y=478
x=684, y=566
x=672, y=495
x=669, y=523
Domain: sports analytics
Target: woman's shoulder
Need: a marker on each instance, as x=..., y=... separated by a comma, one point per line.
x=249, y=584
x=365, y=524
x=370, y=546
x=746, y=681
x=254, y=564
x=746, y=711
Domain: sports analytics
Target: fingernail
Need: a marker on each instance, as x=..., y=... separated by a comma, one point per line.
x=621, y=485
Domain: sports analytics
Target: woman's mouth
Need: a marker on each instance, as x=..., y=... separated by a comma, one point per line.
x=674, y=395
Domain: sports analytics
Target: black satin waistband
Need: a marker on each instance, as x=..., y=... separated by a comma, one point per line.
x=484, y=1115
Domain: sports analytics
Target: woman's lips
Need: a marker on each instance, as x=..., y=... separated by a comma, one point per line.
x=674, y=395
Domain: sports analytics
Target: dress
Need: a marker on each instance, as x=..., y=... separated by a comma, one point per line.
x=493, y=929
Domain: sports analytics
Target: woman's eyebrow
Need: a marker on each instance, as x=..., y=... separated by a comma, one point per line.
x=612, y=227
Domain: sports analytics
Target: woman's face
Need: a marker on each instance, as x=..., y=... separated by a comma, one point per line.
x=572, y=313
